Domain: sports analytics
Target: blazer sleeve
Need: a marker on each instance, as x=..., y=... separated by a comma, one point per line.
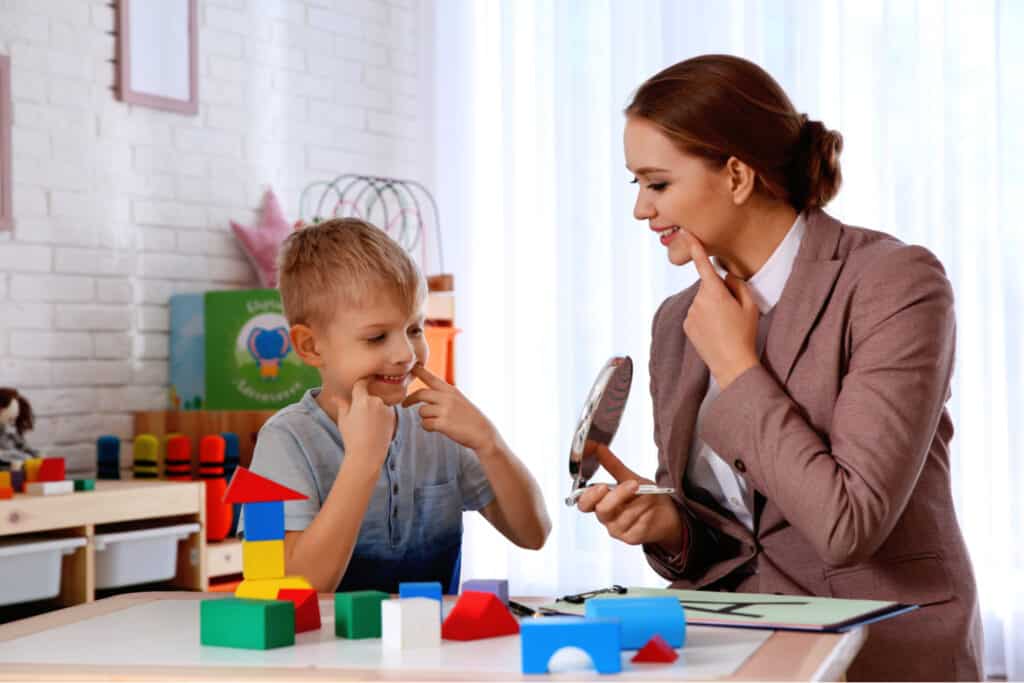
x=845, y=494
x=698, y=543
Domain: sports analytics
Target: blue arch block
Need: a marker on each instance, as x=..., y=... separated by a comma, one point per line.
x=541, y=638
x=642, y=618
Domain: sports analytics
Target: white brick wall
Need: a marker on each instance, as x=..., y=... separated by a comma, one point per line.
x=117, y=207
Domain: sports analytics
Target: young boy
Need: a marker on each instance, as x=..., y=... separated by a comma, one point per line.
x=388, y=477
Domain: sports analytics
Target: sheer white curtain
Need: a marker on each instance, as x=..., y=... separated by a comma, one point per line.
x=554, y=275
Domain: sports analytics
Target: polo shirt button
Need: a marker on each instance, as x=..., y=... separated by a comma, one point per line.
x=394, y=489
x=395, y=511
x=740, y=466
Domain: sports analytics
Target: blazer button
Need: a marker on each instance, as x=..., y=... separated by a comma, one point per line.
x=739, y=465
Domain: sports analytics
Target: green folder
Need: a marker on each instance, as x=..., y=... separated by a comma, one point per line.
x=757, y=610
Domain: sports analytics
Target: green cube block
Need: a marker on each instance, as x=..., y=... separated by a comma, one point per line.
x=247, y=624
x=85, y=484
x=357, y=614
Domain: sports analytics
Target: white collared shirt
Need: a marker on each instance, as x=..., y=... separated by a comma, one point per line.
x=705, y=468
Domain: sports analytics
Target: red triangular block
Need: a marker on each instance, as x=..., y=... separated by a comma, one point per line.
x=656, y=650
x=246, y=487
x=478, y=615
x=52, y=469
x=307, y=607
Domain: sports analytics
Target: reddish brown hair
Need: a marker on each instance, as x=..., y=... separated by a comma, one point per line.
x=719, y=106
x=25, y=419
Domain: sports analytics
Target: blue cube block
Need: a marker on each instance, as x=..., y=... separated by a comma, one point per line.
x=541, y=638
x=642, y=618
x=263, y=521
x=497, y=586
x=422, y=589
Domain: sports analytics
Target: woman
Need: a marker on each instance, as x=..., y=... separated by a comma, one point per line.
x=799, y=386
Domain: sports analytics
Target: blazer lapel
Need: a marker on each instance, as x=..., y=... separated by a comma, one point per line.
x=805, y=294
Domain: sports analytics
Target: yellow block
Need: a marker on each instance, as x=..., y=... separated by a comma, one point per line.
x=266, y=589
x=263, y=559
x=5, y=479
x=31, y=467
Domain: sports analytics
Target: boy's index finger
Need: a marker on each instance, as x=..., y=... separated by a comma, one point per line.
x=359, y=389
x=429, y=378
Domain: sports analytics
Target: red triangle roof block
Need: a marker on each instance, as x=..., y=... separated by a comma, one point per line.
x=478, y=615
x=246, y=487
x=656, y=650
x=307, y=607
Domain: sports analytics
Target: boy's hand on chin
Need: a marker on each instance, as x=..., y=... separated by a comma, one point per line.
x=366, y=423
x=446, y=410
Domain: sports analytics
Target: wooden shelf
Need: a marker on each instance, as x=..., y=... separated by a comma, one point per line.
x=113, y=502
x=224, y=558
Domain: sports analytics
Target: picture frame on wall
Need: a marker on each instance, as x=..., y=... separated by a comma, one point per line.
x=157, y=54
x=6, y=203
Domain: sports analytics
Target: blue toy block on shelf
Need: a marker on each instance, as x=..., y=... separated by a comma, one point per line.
x=599, y=638
x=497, y=586
x=642, y=618
x=263, y=521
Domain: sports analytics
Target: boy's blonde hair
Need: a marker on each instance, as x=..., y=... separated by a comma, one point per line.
x=346, y=258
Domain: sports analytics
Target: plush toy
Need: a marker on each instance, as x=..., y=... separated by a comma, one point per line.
x=262, y=241
x=15, y=420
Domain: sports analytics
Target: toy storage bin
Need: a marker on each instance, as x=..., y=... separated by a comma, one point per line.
x=125, y=558
x=30, y=568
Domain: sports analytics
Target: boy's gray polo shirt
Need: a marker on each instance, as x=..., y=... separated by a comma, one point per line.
x=412, y=530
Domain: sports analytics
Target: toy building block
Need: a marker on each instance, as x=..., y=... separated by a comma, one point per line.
x=5, y=479
x=478, y=615
x=247, y=624
x=108, y=457
x=146, y=457
x=656, y=651
x=263, y=521
x=542, y=638
x=410, y=623
x=357, y=613
x=642, y=618
x=267, y=589
x=497, y=586
x=263, y=559
x=422, y=589
x=18, y=480
x=85, y=484
x=211, y=472
x=247, y=487
x=52, y=469
x=178, y=461
x=31, y=468
x=49, y=488
x=6, y=493
x=307, y=607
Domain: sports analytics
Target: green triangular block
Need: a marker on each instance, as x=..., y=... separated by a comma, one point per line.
x=357, y=614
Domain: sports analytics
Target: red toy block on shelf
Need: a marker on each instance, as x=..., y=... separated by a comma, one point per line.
x=307, y=607
x=656, y=650
x=52, y=469
x=478, y=615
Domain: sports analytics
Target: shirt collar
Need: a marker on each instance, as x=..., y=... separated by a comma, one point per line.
x=767, y=283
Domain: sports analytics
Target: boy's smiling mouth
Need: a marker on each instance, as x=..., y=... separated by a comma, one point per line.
x=392, y=379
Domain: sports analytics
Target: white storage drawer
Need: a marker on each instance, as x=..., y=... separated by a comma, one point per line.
x=30, y=569
x=126, y=558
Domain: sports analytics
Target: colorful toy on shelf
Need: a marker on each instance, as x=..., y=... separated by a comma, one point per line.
x=16, y=419
x=85, y=484
x=211, y=471
x=178, y=460
x=146, y=457
x=478, y=615
x=410, y=623
x=6, y=488
x=642, y=618
x=357, y=614
x=31, y=467
x=108, y=457
x=247, y=624
x=52, y=469
x=497, y=586
x=263, y=546
x=542, y=638
x=49, y=488
x=656, y=651
x=307, y=607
